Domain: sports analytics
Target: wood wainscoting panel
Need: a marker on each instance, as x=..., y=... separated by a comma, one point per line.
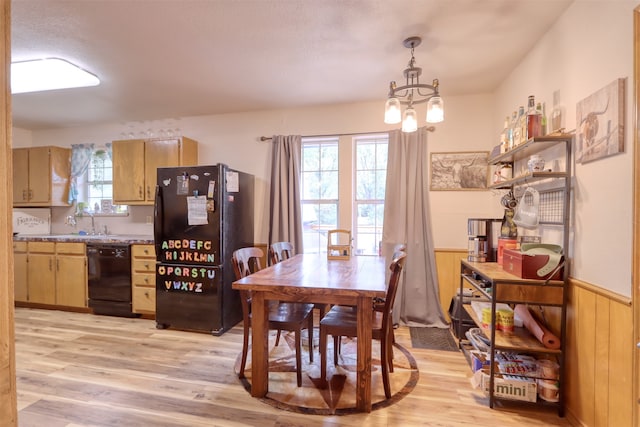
x=599, y=357
x=601, y=340
x=621, y=352
x=448, y=266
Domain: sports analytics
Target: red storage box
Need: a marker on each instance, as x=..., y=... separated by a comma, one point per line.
x=527, y=266
x=505, y=243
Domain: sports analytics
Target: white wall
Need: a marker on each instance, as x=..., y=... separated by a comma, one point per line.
x=234, y=139
x=589, y=47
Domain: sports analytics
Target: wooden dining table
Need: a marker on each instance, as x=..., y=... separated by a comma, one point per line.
x=315, y=279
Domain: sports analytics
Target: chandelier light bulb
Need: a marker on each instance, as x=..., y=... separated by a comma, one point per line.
x=392, y=111
x=435, y=110
x=410, y=122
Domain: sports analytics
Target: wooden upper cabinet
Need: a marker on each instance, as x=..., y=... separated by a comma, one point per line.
x=135, y=164
x=41, y=176
x=158, y=154
x=128, y=171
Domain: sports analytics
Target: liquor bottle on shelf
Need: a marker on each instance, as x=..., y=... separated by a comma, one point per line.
x=520, y=129
x=504, y=137
x=512, y=129
x=543, y=118
x=534, y=120
x=556, y=113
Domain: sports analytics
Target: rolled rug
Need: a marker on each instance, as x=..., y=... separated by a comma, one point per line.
x=542, y=334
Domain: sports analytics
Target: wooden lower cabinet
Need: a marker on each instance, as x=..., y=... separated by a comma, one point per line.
x=71, y=274
x=143, y=278
x=21, y=293
x=52, y=273
x=41, y=272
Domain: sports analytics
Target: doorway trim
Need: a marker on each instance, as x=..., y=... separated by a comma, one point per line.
x=636, y=216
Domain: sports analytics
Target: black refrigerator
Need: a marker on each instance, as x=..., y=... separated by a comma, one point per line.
x=202, y=214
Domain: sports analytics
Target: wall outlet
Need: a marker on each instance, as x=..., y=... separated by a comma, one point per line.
x=149, y=219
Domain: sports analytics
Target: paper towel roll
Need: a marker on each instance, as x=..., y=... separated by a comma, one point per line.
x=542, y=334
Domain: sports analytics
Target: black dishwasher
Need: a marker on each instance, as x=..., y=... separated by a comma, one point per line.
x=109, y=270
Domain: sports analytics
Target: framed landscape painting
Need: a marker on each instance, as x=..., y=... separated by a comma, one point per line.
x=465, y=170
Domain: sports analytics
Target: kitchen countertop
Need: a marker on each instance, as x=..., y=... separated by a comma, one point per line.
x=86, y=238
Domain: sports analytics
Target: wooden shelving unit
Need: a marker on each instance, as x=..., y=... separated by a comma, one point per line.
x=496, y=286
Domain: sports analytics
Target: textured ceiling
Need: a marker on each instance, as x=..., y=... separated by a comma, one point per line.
x=160, y=59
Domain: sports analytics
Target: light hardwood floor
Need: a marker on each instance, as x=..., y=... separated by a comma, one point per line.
x=77, y=369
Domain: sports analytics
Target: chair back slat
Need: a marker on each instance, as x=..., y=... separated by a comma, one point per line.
x=246, y=261
x=280, y=251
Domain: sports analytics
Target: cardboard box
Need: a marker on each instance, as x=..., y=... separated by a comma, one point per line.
x=507, y=386
x=527, y=266
x=479, y=360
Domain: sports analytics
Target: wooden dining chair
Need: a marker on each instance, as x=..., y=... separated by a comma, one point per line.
x=342, y=321
x=278, y=252
x=283, y=316
x=378, y=305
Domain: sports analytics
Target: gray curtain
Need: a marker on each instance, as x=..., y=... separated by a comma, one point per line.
x=285, y=221
x=407, y=220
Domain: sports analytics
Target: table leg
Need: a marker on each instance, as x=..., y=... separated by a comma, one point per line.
x=259, y=345
x=363, y=386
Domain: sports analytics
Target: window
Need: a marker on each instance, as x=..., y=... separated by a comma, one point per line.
x=319, y=191
x=97, y=191
x=370, y=182
x=343, y=186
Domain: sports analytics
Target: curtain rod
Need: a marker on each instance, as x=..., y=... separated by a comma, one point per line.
x=268, y=138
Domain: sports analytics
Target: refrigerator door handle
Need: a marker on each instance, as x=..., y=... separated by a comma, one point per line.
x=158, y=220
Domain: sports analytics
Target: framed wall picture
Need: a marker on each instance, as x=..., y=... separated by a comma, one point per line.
x=600, y=123
x=465, y=170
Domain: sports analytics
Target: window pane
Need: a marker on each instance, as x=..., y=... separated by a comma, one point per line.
x=365, y=156
x=381, y=184
x=310, y=157
x=317, y=218
x=382, y=153
x=329, y=185
x=310, y=185
x=366, y=185
x=369, y=228
x=329, y=157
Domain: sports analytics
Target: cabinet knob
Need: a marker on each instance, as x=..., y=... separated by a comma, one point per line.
x=146, y=280
x=146, y=251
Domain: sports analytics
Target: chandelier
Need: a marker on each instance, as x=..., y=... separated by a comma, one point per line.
x=413, y=92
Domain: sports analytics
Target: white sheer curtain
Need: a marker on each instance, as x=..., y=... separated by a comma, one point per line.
x=285, y=213
x=407, y=220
